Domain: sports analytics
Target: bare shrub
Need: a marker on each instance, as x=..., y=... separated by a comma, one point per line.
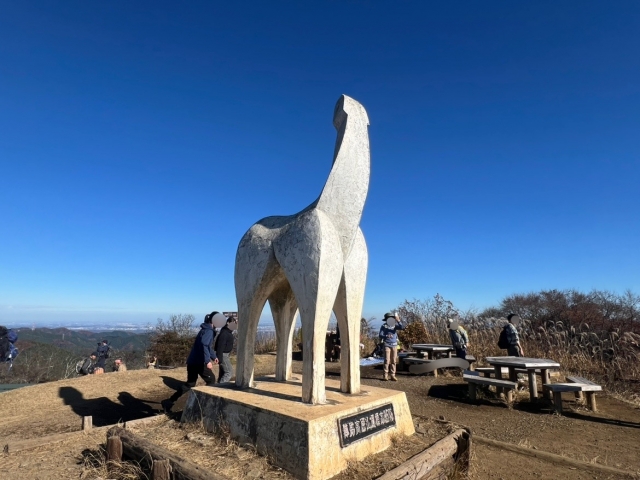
x=171, y=340
x=265, y=342
x=414, y=332
x=595, y=335
x=37, y=363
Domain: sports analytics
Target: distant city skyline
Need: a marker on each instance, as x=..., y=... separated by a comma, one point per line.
x=140, y=140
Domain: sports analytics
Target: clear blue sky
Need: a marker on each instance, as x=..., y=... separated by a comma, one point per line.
x=139, y=140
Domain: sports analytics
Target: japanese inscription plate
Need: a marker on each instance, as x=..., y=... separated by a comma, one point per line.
x=363, y=424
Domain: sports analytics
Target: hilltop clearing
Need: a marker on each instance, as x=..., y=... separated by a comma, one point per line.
x=609, y=437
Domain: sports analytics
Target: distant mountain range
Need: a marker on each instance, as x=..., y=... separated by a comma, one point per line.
x=83, y=342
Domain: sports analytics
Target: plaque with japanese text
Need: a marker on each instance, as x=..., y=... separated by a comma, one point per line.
x=363, y=424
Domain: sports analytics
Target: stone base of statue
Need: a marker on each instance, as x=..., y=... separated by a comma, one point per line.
x=312, y=442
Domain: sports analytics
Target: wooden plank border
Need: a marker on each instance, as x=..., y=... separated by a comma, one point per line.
x=19, y=445
x=558, y=459
x=447, y=453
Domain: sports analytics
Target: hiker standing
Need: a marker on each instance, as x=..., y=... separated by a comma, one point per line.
x=389, y=337
x=200, y=362
x=223, y=347
x=514, y=347
x=459, y=338
x=103, y=353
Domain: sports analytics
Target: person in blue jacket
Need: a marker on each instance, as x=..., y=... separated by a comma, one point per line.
x=200, y=362
x=389, y=337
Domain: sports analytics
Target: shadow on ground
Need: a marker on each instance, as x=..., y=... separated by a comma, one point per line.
x=105, y=411
x=172, y=383
x=607, y=421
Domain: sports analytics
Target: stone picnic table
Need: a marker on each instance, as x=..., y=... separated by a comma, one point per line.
x=433, y=350
x=530, y=365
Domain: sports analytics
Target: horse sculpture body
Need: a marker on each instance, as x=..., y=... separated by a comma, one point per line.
x=313, y=262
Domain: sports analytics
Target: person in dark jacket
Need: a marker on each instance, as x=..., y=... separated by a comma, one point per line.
x=223, y=346
x=200, y=362
x=103, y=353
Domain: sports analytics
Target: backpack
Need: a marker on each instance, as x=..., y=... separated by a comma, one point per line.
x=456, y=339
x=84, y=367
x=503, y=341
x=6, y=344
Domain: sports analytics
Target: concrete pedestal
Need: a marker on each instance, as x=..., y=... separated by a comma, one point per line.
x=312, y=442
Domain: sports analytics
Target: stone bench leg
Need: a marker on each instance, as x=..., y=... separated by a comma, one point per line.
x=591, y=401
x=472, y=392
x=533, y=386
x=546, y=379
x=510, y=396
x=557, y=402
x=498, y=375
x=579, y=397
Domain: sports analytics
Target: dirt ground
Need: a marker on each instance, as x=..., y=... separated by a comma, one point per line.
x=609, y=437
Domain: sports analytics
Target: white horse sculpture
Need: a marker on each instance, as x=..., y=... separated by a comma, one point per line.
x=314, y=261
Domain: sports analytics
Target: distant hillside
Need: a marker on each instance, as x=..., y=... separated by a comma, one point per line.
x=83, y=342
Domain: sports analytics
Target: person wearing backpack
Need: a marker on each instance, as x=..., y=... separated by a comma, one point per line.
x=8, y=351
x=459, y=338
x=88, y=365
x=200, y=361
x=509, y=339
x=103, y=352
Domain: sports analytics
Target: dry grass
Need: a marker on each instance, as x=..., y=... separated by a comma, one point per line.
x=97, y=468
x=612, y=358
x=223, y=455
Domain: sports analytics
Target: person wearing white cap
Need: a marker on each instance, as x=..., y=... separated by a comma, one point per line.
x=388, y=334
x=459, y=338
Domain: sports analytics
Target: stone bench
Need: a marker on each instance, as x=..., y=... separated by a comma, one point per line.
x=474, y=379
x=472, y=360
x=591, y=397
x=420, y=366
x=416, y=360
x=589, y=388
x=490, y=371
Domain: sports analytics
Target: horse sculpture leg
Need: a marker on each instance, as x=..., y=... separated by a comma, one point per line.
x=311, y=257
x=283, y=309
x=249, y=311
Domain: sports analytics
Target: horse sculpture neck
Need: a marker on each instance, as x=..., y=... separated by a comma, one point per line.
x=345, y=192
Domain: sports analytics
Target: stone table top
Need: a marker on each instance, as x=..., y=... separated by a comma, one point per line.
x=523, y=362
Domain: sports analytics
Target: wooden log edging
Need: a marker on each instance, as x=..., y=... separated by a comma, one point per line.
x=558, y=459
x=454, y=449
x=147, y=453
x=19, y=445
